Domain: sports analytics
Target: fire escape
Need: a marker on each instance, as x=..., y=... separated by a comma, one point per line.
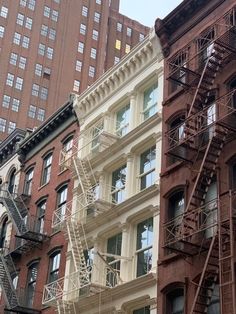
x=205, y=228
x=91, y=201
x=26, y=231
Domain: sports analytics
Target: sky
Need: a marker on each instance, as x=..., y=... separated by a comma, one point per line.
x=146, y=11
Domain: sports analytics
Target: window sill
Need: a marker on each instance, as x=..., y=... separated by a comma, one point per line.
x=42, y=186
x=172, y=168
x=173, y=95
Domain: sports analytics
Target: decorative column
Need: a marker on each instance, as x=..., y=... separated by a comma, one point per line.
x=125, y=253
x=130, y=177
x=133, y=111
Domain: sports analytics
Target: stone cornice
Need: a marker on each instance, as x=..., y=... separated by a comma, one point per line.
x=138, y=59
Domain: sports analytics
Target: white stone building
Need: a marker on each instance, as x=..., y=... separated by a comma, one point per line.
x=113, y=222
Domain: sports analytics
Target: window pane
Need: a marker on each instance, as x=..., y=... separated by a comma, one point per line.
x=122, y=120
x=150, y=102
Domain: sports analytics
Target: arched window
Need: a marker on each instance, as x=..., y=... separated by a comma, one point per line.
x=11, y=181
x=175, y=301
x=3, y=233
x=31, y=283
x=176, y=205
x=41, y=207
x=47, y=167
x=28, y=181
x=176, y=134
x=54, y=265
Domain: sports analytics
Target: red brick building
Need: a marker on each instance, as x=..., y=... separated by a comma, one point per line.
x=52, y=47
x=197, y=212
x=37, y=252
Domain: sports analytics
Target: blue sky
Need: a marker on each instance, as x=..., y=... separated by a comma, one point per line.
x=146, y=11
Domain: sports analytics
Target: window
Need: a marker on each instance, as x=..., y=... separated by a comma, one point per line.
x=31, y=4
x=99, y=1
x=96, y=131
x=117, y=59
x=22, y=63
x=82, y=29
x=91, y=71
x=2, y=125
x=97, y=17
x=41, y=114
x=32, y=111
x=41, y=49
x=52, y=33
x=129, y=31
x=177, y=70
x=232, y=86
x=11, y=181
x=6, y=101
x=78, y=66
x=47, y=167
x=16, y=38
x=119, y=27
x=175, y=302
x=114, y=247
x=2, y=30
x=93, y=53
x=141, y=37
x=144, y=246
x=41, y=207
x=147, y=168
x=49, y=53
x=28, y=23
x=4, y=12
x=118, y=185
x=13, y=58
x=122, y=120
x=19, y=83
x=44, y=93
x=67, y=150
x=118, y=44
x=76, y=86
x=46, y=11
x=176, y=205
x=177, y=132
x=38, y=69
x=214, y=306
x=44, y=30
x=81, y=47
x=95, y=34
x=127, y=48
x=23, y=3
x=84, y=11
x=61, y=203
x=150, y=102
x=143, y=310
x=54, y=15
x=31, y=283
x=15, y=104
x=20, y=19
x=10, y=79
x=3, y=233
x=11, y=127
x=25, y=42
x=28, y=181
x=35, y=90
x=54, y=266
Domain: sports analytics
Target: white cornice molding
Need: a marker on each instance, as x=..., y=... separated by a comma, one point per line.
x=145, y=53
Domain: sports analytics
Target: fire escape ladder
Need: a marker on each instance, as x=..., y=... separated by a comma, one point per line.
x=75, y=234
x=208, y=279
x=207, y=78
x=226, y=257
x=82, y=171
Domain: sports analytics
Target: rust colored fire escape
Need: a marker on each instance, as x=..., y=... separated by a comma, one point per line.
x=205, y=228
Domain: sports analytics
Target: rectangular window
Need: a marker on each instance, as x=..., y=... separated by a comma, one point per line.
x=15, y=104
x=118, y=44
x=46, y=11
x=93, y=53
x=11, y=127
x=44, y=93
x=28, y=23
x=47, y=167
x=127, y=48
x=119, y=27
x=117, y=59
x=52, y=34
x=150, y=102
x=54, y=15
x=41, y=49
x=31, y=4
x=76, y=86
x=147, y=168
x=84, y=11
x=118, y=185
x=6, y=101
x=19, y=83
x=91, y=71
x=2, y=125
x=54, y=267
x=141, y=37
x=10, y=79
x=13, y=58
x=95, y=34
x=35, y=90
x=25, y=42
x=144, y=247
x=32, y=111
x=38, y=69
x=20, y=19
x=41, y=114
x=99, y=2
x=97, y=17
x=22, y=63
x=61, y=203
x=2, y=30
x=4, y=12
x=143, y=310
x=23, y=3
x=50, y=53
x=122, y=120
x=82, y=29
x=16, y=38
x=28, y=181
x=78, y=66
x=81, y=47
x=129, y=31
x=44, y=30
x=114, y=248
